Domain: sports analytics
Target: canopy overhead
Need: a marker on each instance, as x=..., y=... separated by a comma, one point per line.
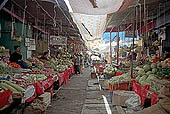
x=98, y=7
x=90, y=26
x=154, y=9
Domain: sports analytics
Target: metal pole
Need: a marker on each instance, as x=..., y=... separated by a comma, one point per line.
x=111, y=47
x=118, y=46
x=133, y=43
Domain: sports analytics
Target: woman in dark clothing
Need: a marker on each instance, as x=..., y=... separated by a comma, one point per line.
x=167, y=55
x=16, y=57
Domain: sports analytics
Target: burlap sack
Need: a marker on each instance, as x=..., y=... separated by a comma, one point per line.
x=36, y=107
x=155, y=109
x=164, y=102
x=165, y=91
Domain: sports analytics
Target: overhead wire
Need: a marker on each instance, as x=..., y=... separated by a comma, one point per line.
x=24, y=17
x=64, y=14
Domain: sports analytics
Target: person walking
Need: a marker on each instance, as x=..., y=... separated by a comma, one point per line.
x=77, y=64
x=81, y=64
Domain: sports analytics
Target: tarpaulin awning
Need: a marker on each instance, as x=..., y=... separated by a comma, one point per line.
x=90, y=26
x=102, y=7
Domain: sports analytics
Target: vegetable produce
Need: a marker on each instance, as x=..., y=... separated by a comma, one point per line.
x=2, y=48
x=4, y=85
x=120, y=79
x=153, y=65
x=147, y=68
x=143, y=78
x=110, y=70
x=150, y=77
x=14, y=65
x=148, y=73
x=5, y=68
x=154, y=70
x=18, y=88
x=141, y=72
x=167, y=62
x=138, y=78
x=36, y=77
x=163, y=72
x=55, y=66
x=143, y=83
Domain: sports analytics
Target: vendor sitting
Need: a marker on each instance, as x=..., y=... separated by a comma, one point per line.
x=44, y=56
x=167, y=55
x=16, y=57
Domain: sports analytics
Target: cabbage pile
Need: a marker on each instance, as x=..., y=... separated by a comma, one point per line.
x=110, y=70
x=36, y=77
x=5, y=69
x=120, y=79
x=147, y=74
x=60, y=67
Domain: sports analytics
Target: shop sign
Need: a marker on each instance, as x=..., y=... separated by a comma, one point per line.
x=129, y=34
x=31, y=44
x=29, y=31
x=58, y=40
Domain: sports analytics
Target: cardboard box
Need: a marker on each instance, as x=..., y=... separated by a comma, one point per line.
x=119, y=97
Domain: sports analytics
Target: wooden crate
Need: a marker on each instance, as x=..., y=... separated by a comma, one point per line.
x=120, y=86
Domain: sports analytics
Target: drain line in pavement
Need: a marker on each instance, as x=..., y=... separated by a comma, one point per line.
x=107, y=105
x=99, y=83
x=100, y=87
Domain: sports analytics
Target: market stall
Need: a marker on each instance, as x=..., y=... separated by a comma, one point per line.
x=28, y=84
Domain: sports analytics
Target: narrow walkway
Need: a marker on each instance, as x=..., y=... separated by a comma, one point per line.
x=81, y=95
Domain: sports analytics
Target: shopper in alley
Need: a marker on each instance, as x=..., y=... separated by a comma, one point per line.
x=77, y=64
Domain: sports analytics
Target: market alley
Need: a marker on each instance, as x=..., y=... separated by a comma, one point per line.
x=81, y=95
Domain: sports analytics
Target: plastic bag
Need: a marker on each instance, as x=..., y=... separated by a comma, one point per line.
x=134, y=102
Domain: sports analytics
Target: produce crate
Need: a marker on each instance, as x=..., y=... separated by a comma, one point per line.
x=120, y=86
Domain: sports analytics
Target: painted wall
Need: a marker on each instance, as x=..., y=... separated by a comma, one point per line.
x=5, y=40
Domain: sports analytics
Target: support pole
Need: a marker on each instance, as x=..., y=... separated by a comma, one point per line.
x=111, y=47
x=132, y=51
x=117, y=52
